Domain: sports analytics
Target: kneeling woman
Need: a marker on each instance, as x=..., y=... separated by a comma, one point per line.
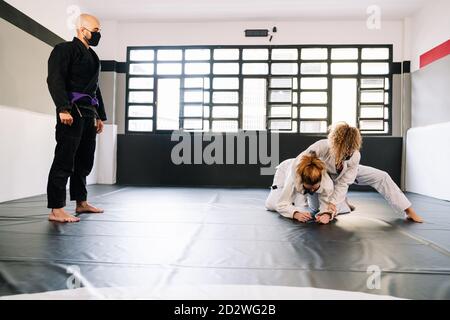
x=301, y=190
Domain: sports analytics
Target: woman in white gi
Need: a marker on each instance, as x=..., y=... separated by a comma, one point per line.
x=301, y=190
x=340, y=152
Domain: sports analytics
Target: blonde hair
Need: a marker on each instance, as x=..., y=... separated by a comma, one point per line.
x=344, y=140
x=310, y=169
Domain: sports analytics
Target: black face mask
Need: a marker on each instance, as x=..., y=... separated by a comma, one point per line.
x=95, y=38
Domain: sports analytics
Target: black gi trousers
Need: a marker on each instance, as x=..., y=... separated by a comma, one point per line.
x=74, y=158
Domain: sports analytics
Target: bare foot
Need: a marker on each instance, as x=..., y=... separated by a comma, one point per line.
x=413, y=216
x=85, y=207
x=61, y=215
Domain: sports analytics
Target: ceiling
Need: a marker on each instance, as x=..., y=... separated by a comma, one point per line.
x=247, y=10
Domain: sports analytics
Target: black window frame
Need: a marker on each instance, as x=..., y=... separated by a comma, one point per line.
x=358, y=76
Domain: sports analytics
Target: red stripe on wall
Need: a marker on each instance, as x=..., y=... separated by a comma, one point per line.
x=434, y=54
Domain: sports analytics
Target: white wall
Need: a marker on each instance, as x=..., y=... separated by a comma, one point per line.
x=27, y=145
x=27, y=141
x=428, y=154
x=53, y=15
x=426, y=29
x=232, y=33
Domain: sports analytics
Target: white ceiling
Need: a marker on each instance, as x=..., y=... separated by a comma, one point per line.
x=246, y=10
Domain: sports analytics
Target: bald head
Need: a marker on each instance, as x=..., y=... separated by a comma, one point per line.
x=87, y=21
x=87, y=25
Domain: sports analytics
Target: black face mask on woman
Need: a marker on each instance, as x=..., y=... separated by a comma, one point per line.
x=95, y=38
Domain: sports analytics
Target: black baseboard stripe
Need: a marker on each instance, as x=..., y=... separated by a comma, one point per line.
x=25, y=23
x=113, y=66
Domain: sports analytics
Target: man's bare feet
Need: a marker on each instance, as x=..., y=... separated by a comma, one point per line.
x=85, y=207
x=412, y=215
x=61, y=215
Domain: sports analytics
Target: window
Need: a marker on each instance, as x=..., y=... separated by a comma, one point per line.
x=300, y=89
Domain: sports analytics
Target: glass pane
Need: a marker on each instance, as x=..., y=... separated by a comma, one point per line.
x=313, y=126
x=313, y=112
x=197, y=54
x=226, y=68
x=206, y=111
x=375, y=53
x=344, y=68
x=386, y=98
x=140, y=96
x=193, y=110
x=226, y=83
x=140, y=125
x=280, y=111
x=313, y=97
x=225, y=97
x=225, y=112
x=168, y=104
x=372, y=112
x=284, y=125
x=255, y=68
x=372, y=83
x=140, y=111
x=372, y=96
x=284, y=54
x=206, y=97
x=314, y=68
x=225, y=126
x=193, y=96
x=344, y=101
x=196, y=83
x=142, y=55
x=314, y=54
x=254, y=104
x=255, y=54
x=193, y=124
x=141, y=68
x=386, y=85
x=344, y=54
x=386, y=113
x=169, y=55
x=226, y=54
x=371, y=125
x=313, y=83
x=284, y=68
x=374, y=68
x=140, y=83
x=197, y=68
x=169, y=68
x=281, y=96
x=281, y=83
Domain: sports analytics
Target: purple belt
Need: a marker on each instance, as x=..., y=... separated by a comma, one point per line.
x=75, y=96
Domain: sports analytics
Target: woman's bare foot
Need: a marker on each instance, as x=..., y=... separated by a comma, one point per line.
x=61, y=215
x=412, y=215
x=85, y=207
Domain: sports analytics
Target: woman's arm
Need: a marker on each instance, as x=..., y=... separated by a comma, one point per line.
x=325, y=197
x=342, y=183
x=284, y=205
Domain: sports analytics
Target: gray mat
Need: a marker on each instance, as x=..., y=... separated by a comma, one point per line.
x=182, y=236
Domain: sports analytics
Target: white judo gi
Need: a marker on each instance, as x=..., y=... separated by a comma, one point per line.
x=287, y=193
x=353, y=172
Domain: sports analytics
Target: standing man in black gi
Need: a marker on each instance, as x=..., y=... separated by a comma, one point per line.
x=73, y=71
